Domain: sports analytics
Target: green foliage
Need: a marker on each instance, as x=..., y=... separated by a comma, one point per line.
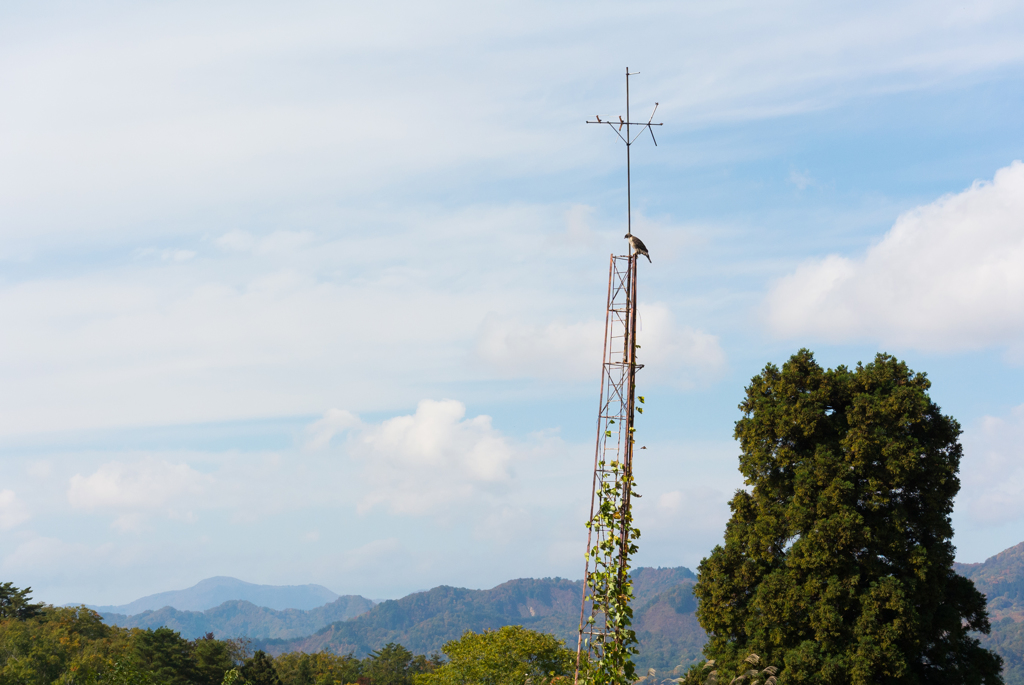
x=393, y=664
x=511, y=655
x=14, y=603
x=259, y=670
x=750, y=671
x=610, y=582
x=123, y=671
x=167, y=655
x=213, y=659
x=57, y=645
x=60, y=645
x=837, y=563
x=324, y=668
x=1007, y=640
x=232, y=677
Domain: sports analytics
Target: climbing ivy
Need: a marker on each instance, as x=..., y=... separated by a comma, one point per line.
x=610, y=584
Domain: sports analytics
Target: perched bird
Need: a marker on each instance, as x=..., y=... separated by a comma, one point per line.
x=621, y=122
x=637, y=245
x=599, y=118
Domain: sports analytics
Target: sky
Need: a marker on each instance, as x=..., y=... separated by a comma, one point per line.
x=314, y=292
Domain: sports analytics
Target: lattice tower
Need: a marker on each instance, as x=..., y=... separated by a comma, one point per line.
x=611, y=536
x=608, y=545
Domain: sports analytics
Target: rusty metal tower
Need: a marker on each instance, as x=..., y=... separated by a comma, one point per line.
x=610, y=537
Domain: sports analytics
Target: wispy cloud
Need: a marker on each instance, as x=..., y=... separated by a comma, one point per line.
x=13, y=511
x=992, y=470
x=137, y=488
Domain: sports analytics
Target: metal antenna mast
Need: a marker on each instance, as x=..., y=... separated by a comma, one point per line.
x=609, y=536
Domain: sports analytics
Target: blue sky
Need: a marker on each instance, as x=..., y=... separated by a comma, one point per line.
x=313, y=293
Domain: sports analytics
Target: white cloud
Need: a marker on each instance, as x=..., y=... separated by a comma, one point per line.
x=13, y=511
x=166, y=254
x=699, y=511
x=286, y=329
x=375, y=555
x=123, y=114
x=682, y=356
x=947, y=276
x=46, y=555
x=236, y=240
x=142, y=485
x=275, y=243
x=133, y=522
x=992, y=470
x=335, y=421
x=432, y=459
x=557, y=350
x=676, y=355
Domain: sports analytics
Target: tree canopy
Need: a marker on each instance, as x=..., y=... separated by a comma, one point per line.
x=508, y=656
x=14, y=603
x=837, y=560
x=259, y=670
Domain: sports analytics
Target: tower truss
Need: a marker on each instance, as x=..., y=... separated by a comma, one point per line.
x=610, y=535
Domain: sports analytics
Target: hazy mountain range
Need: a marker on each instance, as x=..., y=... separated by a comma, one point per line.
x=239, y=618
x=212, y=592
x=663, y=614
x=663, y=617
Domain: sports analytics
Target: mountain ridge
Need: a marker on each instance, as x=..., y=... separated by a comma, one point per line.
x=665, y=622
x=240, y=618
x=1001, y=579
x=212, y=592
x=666, y=626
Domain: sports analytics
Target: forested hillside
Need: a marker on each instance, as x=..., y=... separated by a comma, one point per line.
x=1001, y=580
x=664, y=620
x=43, y=645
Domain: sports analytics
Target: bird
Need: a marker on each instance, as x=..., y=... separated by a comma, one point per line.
x=598, y=118
x=621, y=122
x=637, y=245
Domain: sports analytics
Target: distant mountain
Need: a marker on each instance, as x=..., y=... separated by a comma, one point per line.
x=669, y=634
x=665, y=623
x=213, y=592
x=1001, y=580
x=239, y=618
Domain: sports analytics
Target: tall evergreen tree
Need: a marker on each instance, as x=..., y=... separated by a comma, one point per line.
x=392, y=664
x=837, y=561
x=167, y=655
x=259, y=670
x=14, y=603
